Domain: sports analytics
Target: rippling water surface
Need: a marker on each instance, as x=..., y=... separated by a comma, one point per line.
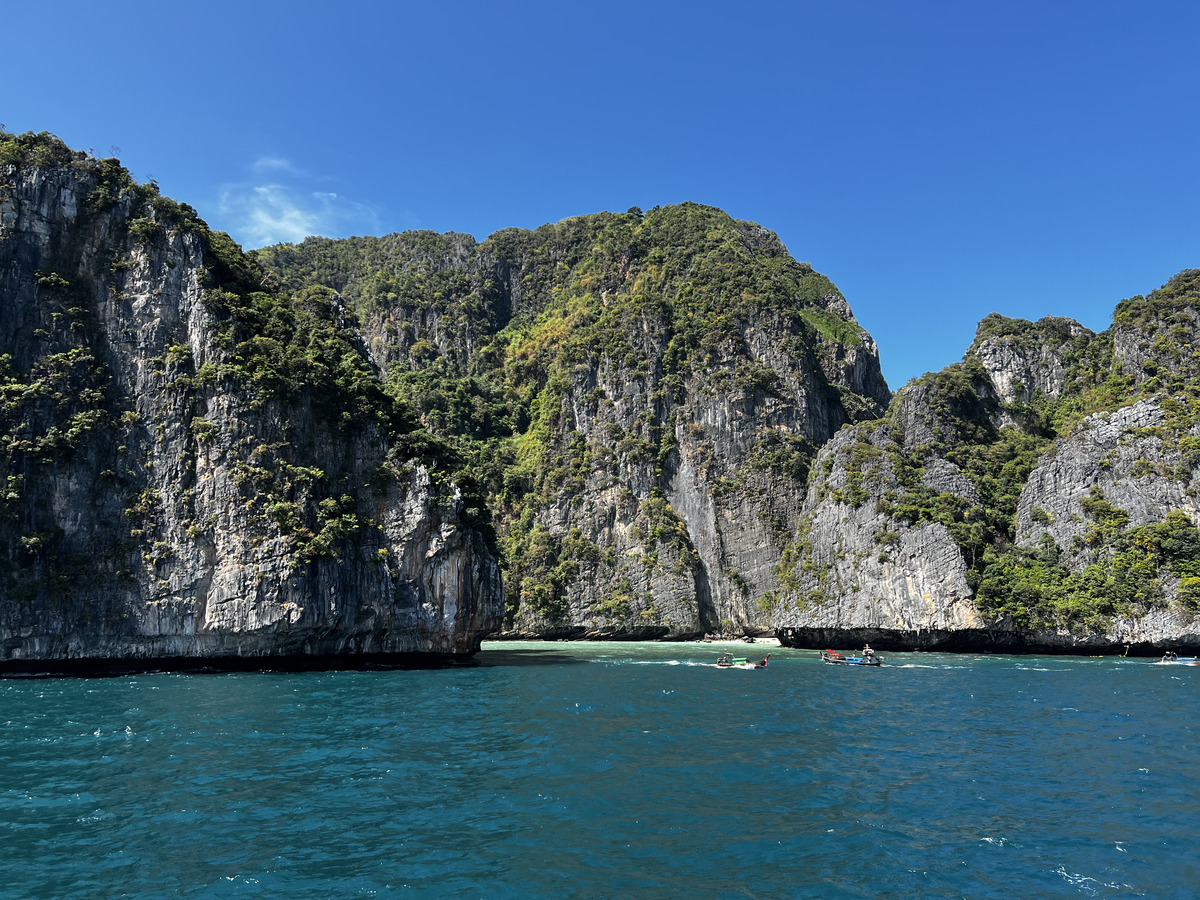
x=604, y=770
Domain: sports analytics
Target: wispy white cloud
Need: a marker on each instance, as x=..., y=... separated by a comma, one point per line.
x=277, y=164
x=278, y=204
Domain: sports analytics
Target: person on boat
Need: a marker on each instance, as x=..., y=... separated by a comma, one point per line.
x=868, y=653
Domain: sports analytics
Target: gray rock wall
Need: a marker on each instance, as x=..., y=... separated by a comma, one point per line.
x=859, y=571
x=161, y=498
x=689, y=539
x=165, y=509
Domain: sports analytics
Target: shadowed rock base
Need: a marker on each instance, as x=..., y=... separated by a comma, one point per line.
x=89, y=668
x=970, y=641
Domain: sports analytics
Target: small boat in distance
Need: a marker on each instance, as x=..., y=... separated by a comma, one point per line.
x=1171, y=658
x=844, y=659
x=728, y=661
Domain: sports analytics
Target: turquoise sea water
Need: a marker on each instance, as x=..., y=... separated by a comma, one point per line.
x=609, y=770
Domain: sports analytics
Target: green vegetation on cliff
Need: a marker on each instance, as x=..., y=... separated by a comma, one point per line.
x=63, y=420
x=958, y=448
x=621, y=393
x=575, y=380
x=1113, y=569
x=547, y=356
x=1037, y=588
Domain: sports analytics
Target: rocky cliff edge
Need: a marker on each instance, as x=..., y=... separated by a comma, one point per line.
x=194, y=468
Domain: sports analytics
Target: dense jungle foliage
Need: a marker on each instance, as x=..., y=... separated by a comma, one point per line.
x=493, y=342
x=1112, y=569
x=487, y=362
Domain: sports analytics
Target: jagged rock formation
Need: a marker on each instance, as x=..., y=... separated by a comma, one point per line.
x=1123, y=469
x=194, y=467
x=673, y=425
x=991, y=508
x=647, y=391
x=1024, y=360
x=649, y=483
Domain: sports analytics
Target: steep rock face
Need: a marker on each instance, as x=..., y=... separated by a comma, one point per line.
x=1024, y=359
x=1125, y=467
x=687, y=498
x=687, y=469
x=1112, y=454
x=850, y=572
x=989, y=510
x=1153, y=337
x=646, y=394
x=200, y=462
x=651, y=395
x=170, y=492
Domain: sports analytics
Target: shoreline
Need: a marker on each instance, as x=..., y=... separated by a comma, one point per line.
x=126, y=667
x=960, y=643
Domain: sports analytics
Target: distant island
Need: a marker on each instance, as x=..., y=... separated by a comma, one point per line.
x=642, y=425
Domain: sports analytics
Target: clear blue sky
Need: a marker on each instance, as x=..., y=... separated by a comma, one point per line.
x=938, y=160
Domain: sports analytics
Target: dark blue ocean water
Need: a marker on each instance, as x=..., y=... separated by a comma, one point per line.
x=609, y=770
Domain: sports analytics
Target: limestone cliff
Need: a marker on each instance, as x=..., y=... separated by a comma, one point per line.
x=660, y=423
x=653, y=401
x=643, y=393
x=993, y=508
x=195, y=466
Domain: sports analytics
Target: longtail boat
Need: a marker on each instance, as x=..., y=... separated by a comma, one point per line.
x=845, y=659
x=727, y=661
x=1170, y=658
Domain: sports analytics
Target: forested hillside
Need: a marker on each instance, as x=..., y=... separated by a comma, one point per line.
x=641, y=395
x=651, y=424
x=1040, y=493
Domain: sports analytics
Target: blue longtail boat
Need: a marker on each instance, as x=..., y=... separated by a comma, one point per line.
x=844, y=659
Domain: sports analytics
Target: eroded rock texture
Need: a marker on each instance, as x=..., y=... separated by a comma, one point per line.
x=659, y=423
x=989, y=509
x=644, y=391
x=194, y=466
